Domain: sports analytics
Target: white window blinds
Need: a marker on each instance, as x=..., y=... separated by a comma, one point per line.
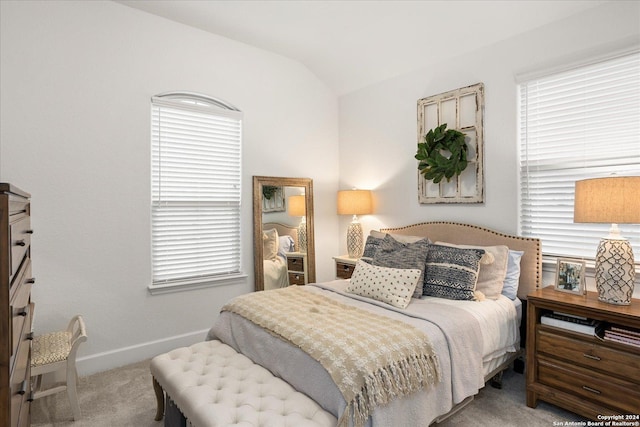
x=195, y=213
x=577, y=124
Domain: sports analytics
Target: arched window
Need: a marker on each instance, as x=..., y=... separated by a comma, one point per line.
x=195, y=191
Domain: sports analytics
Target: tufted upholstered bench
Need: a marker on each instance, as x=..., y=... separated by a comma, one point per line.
x=214, y=386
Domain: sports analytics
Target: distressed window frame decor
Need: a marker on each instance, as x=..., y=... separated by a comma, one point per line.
x=276, y=203
x=463, y=110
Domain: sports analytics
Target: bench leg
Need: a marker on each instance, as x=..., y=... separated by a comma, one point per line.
x=159, y=399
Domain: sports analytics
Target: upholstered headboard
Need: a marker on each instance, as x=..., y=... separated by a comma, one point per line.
x=283, y=230
x=466, y=234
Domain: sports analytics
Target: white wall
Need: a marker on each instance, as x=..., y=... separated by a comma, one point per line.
x=76, y=82
x=378, y=124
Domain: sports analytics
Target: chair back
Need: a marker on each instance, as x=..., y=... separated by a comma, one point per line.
x=78, y=333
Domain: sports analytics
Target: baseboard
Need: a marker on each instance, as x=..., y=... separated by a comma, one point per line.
x=124, y=356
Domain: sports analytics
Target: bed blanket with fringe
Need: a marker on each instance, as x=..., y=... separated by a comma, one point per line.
x=371, y=358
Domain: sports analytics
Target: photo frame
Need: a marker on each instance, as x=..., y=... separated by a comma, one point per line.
x=570, y=276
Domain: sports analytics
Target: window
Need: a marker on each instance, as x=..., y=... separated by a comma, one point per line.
x=576, y=124
x=195, y=191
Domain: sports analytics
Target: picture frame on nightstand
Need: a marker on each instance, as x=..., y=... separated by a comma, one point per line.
x=570, y=276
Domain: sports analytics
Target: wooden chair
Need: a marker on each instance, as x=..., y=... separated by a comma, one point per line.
x=56, y=351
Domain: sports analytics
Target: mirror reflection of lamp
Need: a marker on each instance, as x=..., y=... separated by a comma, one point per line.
x=297, y=207
x=354, y=202
x=614, y=200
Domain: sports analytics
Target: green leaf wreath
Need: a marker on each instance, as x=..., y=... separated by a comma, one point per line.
x=432, y=154
x=268, y=191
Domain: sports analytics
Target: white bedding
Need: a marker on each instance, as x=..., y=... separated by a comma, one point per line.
x=498, y=327
x=276, y=274
x=498, y=322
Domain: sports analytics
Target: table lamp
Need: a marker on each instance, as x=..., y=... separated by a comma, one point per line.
x=354, y=202
x=614, y=200
x=297, y=207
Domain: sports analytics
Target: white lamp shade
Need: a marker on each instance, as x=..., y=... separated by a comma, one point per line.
x=354, y=202
x=297, y=205
x=608, y=200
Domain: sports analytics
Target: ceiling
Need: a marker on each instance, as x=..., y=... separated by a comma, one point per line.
x=352, y=44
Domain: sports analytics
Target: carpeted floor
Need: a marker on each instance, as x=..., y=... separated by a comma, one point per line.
x=124, y=397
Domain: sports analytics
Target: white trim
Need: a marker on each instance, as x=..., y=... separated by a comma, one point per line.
x=185, y=285
x=208, y=99
x=173, y=103
x=132, y=354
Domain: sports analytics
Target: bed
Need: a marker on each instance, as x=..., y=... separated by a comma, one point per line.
x=471, y=341
x=278, y=239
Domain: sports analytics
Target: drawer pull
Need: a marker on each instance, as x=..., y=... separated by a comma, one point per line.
x=20, y=243
x=31, y=397
x=29, y=231
x=22, y=313
x=592, y=390
x=589, y=356
x=23, y=388
x=31, y=280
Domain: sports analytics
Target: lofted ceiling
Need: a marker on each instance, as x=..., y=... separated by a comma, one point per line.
x=352, y=44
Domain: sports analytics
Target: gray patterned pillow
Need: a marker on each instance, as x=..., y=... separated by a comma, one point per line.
x=394, y=254
x=393, y=286
x=370, y=248
x=452, y=273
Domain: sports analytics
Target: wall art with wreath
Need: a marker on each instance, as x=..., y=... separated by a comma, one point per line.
x=450, y=146
x=273, y=199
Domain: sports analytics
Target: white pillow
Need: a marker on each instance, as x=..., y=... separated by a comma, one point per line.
x=270, y=244
x=286, y=244
x=512, y=279
x=493, y=269
x=393, y=286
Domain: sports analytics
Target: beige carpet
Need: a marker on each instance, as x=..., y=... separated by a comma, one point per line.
x=124, y=397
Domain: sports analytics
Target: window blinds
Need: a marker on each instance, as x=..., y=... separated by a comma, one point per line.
x=581, y=123
x=195, y=213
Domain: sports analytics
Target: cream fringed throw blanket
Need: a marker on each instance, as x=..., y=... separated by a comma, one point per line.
x=371, y=358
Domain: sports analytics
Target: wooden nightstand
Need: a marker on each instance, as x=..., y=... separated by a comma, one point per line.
x=344, y=266
x=297, y=268
x=576, y=371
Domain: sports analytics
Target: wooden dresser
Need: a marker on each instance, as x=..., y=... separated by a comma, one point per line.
x=16, y=308
x=577, y=371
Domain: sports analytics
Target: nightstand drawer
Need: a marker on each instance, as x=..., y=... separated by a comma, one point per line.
x=296, y=278
x=590, y=385
x=344, y=270
x=295, y=263
x=589, y=353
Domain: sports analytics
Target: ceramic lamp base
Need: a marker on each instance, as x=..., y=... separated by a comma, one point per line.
x=615, y=271
x=354, y=240
x=302, y=237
